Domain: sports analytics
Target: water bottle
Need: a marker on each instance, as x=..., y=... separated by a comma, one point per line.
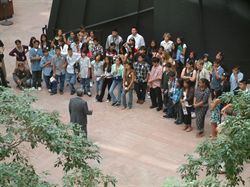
x=185, y=111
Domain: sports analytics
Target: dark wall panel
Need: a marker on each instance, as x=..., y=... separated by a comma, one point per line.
x=206, y=25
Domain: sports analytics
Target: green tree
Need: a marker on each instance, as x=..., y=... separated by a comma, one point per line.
x=233, y=149
x=21, y=123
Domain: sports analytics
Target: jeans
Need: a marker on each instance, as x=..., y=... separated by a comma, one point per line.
x=54, y=85
x=114, y=84
x=36, y=78
x=85, y=82
x=130, y=98
x=47, y=80
x=28, y=82
x=98, y=85
x=106, y=82
x=171, y=108
x=141, y=88
x=156, y=93
x=179, y=113
x=71, y=80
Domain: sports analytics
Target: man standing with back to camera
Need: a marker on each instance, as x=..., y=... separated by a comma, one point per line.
x=78, y=110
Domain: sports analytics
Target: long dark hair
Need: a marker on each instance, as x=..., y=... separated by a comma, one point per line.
x=194, y=53
x=180, y=81
x=206, y=82
x=133, y=51
x=188, y=82
x=87, y=47
x=130, y=64
x=43, y=35
x=182, y=41
x=105, y=65
x=31, y=43
x=98, y=55
x=124, y=50
x=150, y=48
x=175, y=48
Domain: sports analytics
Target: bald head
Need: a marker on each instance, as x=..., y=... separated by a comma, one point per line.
x=80, y=92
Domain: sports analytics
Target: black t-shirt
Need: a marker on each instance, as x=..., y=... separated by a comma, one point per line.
x=225, y=87
x=1, y=43
x=146, y=59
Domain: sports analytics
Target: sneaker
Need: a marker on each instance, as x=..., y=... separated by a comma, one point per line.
x=193, y=115
x=49, y=90
x=72, y=93
x=148, y=94
x=39, y=88
x=89, y=94
x=33, y=88
x=61, y=92
x=107, y=101
x=117, y=104
x=113, y=104
x=91, y=85
x=96, y=101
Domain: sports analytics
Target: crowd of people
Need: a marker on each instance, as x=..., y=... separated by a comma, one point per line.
x=180, y=87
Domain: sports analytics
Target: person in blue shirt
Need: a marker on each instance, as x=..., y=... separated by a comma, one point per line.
x=235, y=78
x=36, y=55
x=45, y=64
x=52, y=48
x=216, y=72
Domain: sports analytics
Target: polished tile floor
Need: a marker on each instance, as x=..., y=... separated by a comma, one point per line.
x=138, y=146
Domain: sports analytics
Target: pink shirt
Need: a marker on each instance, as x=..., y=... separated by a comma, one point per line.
x=156, y=72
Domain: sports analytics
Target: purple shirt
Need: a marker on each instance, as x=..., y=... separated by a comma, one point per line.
x=21, y=54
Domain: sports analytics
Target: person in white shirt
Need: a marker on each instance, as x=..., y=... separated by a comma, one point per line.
x=63, y=47
x=139, y=40
x=72, y=60
x=167, y=43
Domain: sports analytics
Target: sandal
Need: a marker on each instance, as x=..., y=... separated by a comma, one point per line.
x=128, y=108
x=189, y=129
x=184, y=128
x=199, y=135
x=123, y=108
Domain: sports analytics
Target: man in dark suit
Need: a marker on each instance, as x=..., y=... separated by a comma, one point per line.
x=78, y=109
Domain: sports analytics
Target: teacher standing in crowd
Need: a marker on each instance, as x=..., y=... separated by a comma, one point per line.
x=78, y=110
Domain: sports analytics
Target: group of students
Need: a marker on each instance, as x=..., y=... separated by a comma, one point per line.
x=177, y=85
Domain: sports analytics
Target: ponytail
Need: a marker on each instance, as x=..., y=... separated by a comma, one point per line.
x=206, y=82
